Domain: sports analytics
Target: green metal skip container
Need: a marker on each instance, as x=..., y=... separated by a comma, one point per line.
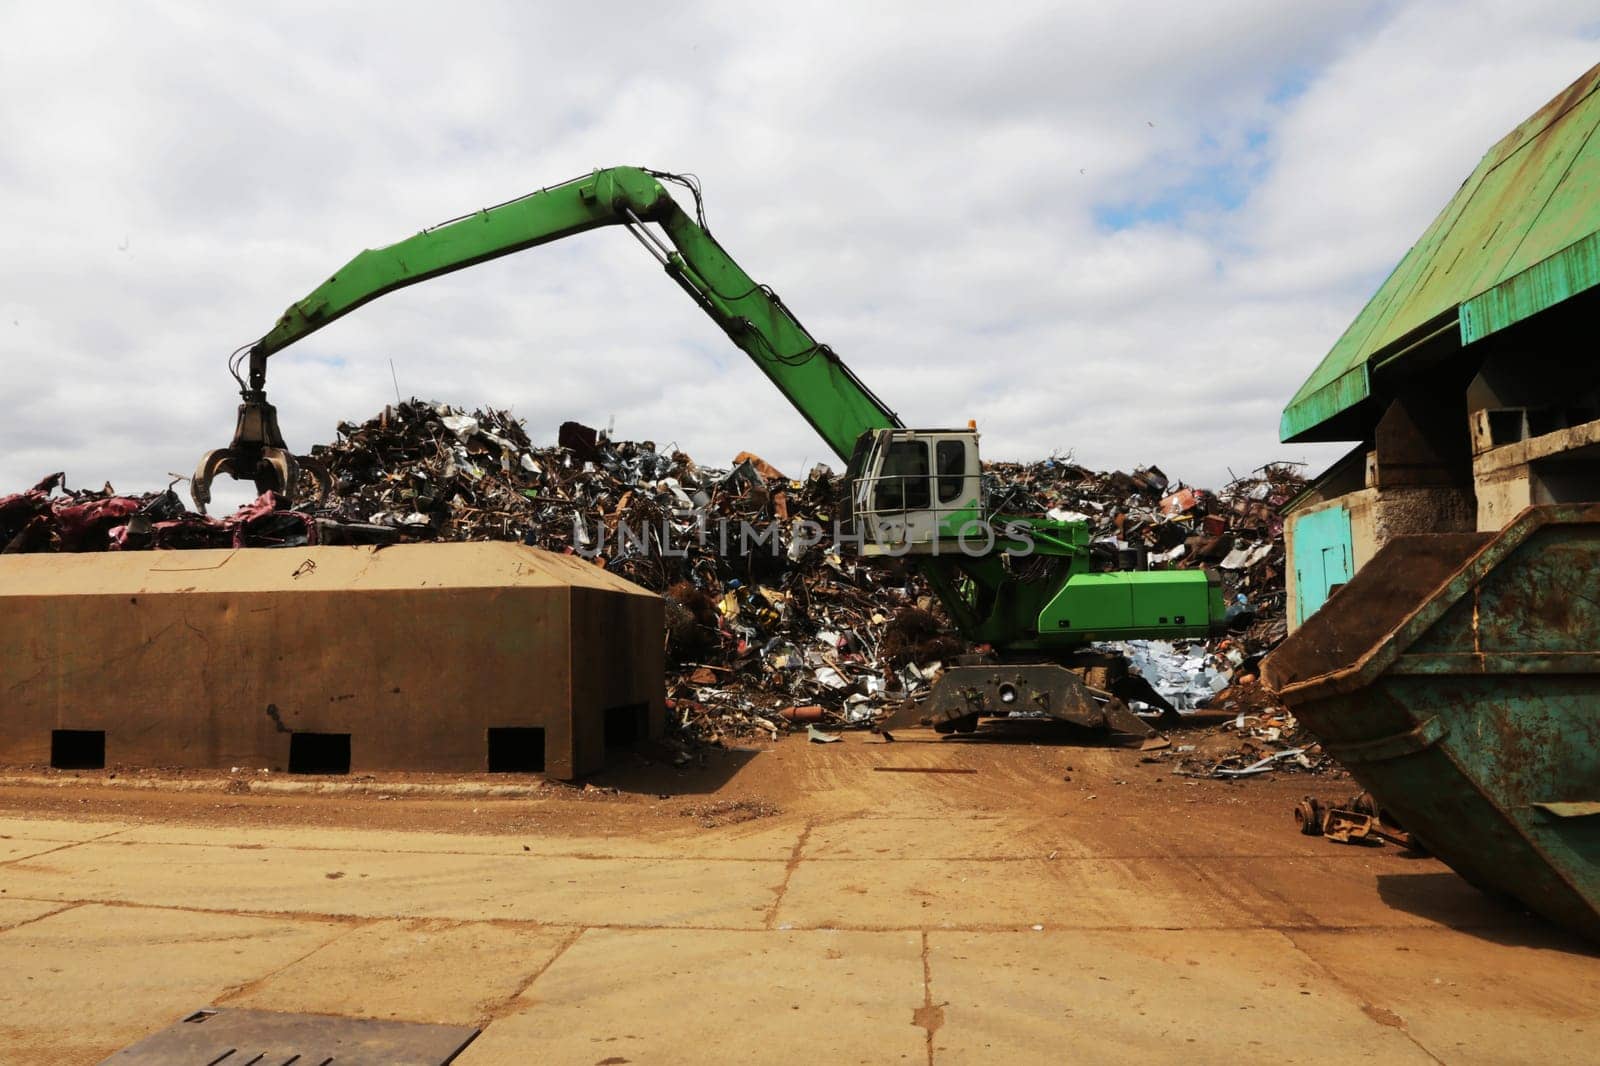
x=1457, y=677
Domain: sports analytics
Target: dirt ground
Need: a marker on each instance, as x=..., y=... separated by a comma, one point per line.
x=1047, y=903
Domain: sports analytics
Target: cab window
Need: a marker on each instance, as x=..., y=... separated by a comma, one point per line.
x=903, y=481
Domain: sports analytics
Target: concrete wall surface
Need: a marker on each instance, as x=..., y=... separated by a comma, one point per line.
x=415, y=652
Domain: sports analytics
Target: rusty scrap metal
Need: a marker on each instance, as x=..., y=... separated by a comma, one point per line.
x=1357, y=820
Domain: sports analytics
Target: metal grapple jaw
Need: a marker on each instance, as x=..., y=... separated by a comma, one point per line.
x=257, y=454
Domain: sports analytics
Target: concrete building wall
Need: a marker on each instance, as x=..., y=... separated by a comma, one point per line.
x=1414, y=477
x=215, y=659
x=1561, y=466
x=1376, y=516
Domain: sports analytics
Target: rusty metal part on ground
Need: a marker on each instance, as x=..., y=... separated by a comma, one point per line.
x=1356, y=820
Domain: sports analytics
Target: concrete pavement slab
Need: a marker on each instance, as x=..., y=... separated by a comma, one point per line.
x=18, y=848
x=946, y=837
x=692, y=997
x=371, y=884
x=418, y=971
x=78, y=985
x=21, y=838
x=1117, y=997
x=746, y=841
x=1059, y=893
x=1380, y=890
x=1471, y=999
x=59, y=829
x=17, y=911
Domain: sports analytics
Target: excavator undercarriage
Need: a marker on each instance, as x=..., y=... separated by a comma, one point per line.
x=1094, y=692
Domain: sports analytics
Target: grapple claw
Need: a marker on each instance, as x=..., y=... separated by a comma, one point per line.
x=257, y=454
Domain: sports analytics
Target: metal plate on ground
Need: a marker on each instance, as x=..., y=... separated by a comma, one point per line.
x=216, y=1036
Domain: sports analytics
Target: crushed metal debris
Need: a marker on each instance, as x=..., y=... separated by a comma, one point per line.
x=1262, y=737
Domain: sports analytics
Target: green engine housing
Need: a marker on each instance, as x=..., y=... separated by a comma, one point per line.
x=1158, y=604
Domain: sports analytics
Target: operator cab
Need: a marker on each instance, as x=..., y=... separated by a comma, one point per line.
x=917, y=491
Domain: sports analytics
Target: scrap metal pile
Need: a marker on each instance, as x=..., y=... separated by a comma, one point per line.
x=1260, y=736
x=760, y=636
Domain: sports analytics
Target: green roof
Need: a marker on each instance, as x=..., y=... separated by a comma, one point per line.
x=1521, y=235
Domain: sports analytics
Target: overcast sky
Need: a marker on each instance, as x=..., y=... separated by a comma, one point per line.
x=1125, y=231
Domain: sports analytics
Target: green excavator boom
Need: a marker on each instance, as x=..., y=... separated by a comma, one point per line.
x=813, y=378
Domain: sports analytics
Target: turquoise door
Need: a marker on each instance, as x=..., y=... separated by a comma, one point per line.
x=1323, y=558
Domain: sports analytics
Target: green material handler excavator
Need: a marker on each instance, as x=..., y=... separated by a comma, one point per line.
x=1021, y=584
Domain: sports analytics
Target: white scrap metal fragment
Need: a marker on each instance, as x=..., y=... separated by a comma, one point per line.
x=1263, y=765
x=914, y=677
x=671, y=484
x=505, y=445
x=1183, y=677
x=1234, y=560
x=830, y=677
x=463, y=426
x=1170, y=556
x=858, y=708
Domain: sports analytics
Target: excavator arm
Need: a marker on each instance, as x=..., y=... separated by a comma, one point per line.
x=820, y=386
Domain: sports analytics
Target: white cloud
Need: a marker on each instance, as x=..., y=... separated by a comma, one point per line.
x=929, y=192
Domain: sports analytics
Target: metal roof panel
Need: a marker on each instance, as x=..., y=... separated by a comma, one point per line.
x=1532, y=196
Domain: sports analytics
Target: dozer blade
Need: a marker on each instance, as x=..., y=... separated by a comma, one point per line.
x=965, y=694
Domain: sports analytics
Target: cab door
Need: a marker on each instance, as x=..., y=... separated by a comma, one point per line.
x=957, y=485
x=902, y=492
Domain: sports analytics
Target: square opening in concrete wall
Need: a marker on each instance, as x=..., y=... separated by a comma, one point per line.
x=78, y=749
x=319, y=753
x=516, y=750
x=627, y=727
